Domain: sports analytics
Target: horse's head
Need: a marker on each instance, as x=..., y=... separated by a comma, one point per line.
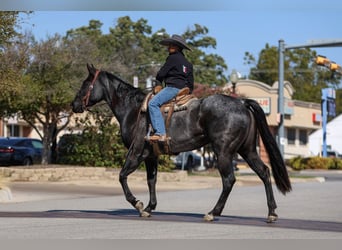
x=90, y=93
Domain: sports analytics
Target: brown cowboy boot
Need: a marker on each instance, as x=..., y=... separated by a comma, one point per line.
x=158, y=138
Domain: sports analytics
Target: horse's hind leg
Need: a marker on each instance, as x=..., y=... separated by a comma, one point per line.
x=254, y=161
x=225, y=167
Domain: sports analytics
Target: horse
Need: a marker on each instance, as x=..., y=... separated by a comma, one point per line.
x=230, y=124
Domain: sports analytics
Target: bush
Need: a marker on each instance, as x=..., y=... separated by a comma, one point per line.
x=317, y=163
x=92, y=148
x=295, y=163
x=299, y=163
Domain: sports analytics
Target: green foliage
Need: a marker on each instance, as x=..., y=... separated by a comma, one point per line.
x=131, y=49
x=299, y=163
x=98, y=145
x=8, y=24
x=318, y=163
x=295, y=163
x=12, y=59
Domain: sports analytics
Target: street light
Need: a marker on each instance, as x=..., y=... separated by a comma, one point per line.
x=234, y=77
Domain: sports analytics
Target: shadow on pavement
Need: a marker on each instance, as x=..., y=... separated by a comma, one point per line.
x=131, y=214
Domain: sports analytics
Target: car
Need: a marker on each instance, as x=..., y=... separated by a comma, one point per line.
x=332, y=154
x=191, y=160
x=20, y=151
x=187, y=160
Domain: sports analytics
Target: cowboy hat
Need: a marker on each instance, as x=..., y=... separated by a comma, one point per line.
x=177, y=40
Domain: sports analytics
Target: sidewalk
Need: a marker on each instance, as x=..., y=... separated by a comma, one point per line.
x=21, y=191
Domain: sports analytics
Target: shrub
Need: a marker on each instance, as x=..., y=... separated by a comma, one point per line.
x=299, y=163
x=317, y=163
x=296, y=163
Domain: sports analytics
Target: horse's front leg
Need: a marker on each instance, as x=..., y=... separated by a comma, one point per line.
x=131, y=164
x=151, y=169
x=225, y=167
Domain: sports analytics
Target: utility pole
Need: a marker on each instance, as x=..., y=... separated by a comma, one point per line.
x=281, y=139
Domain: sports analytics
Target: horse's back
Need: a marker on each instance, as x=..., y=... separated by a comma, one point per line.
x=214, y=118
x=224, y=108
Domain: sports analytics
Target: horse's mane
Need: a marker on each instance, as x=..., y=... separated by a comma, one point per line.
x=125, y=88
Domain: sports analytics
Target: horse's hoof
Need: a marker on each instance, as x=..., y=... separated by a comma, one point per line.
x=272, y=218
x=139, y=206
x=208, y=217
x=145, y=214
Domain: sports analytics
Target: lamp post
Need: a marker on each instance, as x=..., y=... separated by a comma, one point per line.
x=234, y=77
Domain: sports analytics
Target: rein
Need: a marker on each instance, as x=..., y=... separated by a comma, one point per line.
x=91, y=86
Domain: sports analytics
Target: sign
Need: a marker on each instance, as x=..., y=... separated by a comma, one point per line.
x=135, y=81
x=316, y=117
x=331, y=106
x=265, y=104
x=288, y=107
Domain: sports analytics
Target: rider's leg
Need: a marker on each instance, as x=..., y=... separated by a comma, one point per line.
x=154, y=105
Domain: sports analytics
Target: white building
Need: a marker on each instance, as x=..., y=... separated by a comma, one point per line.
x=333, y=137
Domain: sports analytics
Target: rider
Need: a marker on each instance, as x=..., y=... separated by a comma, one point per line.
x=177, y=73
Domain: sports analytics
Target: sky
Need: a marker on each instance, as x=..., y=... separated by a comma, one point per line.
x=236, y=29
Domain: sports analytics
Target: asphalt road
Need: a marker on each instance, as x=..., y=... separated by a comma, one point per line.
x=313, y=210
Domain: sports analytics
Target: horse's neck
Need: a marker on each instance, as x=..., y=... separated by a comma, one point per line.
x=125, y=108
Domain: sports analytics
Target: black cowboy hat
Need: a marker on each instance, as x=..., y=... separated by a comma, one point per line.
x=177, y=40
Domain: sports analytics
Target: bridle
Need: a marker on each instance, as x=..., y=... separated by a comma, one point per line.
x=90, y=88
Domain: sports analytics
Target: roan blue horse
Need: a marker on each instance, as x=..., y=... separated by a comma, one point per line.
x=229, y=124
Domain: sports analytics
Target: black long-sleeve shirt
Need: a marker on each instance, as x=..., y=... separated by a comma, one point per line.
x=176, y=72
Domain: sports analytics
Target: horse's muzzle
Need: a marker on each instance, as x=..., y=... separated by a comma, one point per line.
x=77, y=107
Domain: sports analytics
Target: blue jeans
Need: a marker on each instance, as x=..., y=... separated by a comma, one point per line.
x=157, y=120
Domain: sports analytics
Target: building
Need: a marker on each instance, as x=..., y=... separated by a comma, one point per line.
x=19, y=128
x=300, y=118
x=16, y=127
x=333, y=137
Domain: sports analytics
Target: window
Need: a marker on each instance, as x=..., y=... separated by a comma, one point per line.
x=303, y=137
x=13, y=130
x=291, y=136
x=37, y=144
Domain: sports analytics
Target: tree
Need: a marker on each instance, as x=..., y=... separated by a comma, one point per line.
x=300, y=70
x=9, y=22
x=44, y=94
x=208, y=68
x=9, y=68
x=130, y=48
x=48, y=80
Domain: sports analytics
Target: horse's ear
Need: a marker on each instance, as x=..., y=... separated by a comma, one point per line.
x=91, y=68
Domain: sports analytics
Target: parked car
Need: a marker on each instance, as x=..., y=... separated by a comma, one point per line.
x=191, y=160
x=187, y=160
x=20, y=151
x=332, y=154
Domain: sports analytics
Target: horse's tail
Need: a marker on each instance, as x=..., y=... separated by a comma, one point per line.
x=279, y=170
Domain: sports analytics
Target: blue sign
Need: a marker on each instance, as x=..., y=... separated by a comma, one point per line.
x=331, y=106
